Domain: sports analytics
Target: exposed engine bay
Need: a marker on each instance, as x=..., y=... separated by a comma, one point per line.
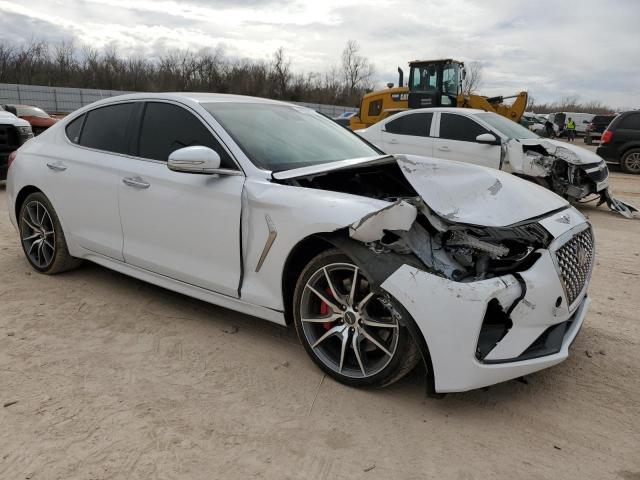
x=409, y=226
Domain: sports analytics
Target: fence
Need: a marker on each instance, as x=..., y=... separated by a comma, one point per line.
x=66, y=100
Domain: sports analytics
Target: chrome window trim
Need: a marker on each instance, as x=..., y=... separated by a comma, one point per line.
x=225, y=171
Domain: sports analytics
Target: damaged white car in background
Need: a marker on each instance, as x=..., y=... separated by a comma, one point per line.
x=380, y=261
x=491, y=140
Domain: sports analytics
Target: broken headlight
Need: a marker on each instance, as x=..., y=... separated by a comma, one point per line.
x=494, y=251
x=25, y=133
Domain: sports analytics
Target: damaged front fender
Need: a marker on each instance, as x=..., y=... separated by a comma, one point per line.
x=568, y=170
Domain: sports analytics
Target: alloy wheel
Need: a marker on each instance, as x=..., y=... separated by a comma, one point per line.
x=632, y=162
x=38, y=234
x=352, y=329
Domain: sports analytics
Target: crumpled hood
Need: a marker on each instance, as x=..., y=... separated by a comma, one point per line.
x=471, y=194
x=458, y=192
x=566, y=151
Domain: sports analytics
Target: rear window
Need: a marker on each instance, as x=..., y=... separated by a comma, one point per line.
x=32, y=112
x=106, y=127
x=416, y=124
x=73, y=129
x=631, y=122
x=603, y=118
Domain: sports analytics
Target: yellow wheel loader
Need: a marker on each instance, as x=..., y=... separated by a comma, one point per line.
x=432, y=83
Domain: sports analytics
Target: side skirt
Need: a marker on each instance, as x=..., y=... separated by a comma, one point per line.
x=187, y=289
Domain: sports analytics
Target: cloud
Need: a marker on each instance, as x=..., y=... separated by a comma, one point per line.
x=552, y=49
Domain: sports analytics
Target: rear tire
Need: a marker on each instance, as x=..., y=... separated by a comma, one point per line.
x=42, y=238
x=354, y=334
x=630, y=161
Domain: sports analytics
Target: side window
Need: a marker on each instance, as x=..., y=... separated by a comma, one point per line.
x=458, y=127
x=416, y=124
x=73, y=129
x=167, y=127
x=631, y=121
x=375, y=108
x=106, y=128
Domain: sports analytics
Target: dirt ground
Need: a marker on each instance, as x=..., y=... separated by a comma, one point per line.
x=115, y=379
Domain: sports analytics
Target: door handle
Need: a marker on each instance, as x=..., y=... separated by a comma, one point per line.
x=57, y=166
x=443, y=149
x=135, y=182
x=393, y=140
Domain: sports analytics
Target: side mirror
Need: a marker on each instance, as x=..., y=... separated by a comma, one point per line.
x=196, y=159
x=487, y=139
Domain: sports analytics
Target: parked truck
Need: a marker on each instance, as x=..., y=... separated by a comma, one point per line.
x=13, y=132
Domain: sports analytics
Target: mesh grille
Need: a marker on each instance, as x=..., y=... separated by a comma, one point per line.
x=575, y=259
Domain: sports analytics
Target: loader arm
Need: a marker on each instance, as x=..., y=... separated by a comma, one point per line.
x=496, y=104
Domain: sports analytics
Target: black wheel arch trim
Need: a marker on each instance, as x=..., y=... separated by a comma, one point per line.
x=379, y=267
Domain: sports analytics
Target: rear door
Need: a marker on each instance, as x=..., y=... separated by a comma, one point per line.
x=457, y=141
x=83, y=179
x=181, y=225
x=626, y=129
x=409, y=133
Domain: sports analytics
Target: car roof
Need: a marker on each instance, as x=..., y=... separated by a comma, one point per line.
x=198, y=97
x=193, y=98
x=469, y=111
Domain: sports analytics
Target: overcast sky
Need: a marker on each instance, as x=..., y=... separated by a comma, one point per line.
x=550, y=48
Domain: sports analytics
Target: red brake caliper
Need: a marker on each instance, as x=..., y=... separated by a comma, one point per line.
x=324, y=309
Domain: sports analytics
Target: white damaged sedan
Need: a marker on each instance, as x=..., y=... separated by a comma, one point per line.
x=380, y=261
x=491, y=140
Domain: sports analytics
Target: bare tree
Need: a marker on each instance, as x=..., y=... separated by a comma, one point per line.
x=473, y=78
x=6, y=62
x=357, y=69
x=281, y=73
x=64, y=65
x=531, y=102
x=572, y=103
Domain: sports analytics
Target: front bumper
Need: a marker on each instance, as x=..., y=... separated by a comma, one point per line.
x=450, y=316
x=599, y=175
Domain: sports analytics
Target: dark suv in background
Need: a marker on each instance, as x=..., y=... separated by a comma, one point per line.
x=593, y=131
x=620, y=142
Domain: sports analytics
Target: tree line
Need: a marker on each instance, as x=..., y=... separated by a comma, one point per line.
x=63, y=64
x=570, y=103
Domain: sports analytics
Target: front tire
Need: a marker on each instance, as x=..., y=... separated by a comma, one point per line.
x=353, y=332
x=42, y=238
x=630, y=161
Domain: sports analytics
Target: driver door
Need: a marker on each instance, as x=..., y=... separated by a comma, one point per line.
x=457, y=141
x=184, y=226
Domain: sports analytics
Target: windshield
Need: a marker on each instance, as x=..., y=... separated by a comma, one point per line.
x=451, y=78
x=31, y=112
x=282, y=137
x=507, y=127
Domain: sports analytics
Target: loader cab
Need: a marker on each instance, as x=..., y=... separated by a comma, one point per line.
x=435, y=83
